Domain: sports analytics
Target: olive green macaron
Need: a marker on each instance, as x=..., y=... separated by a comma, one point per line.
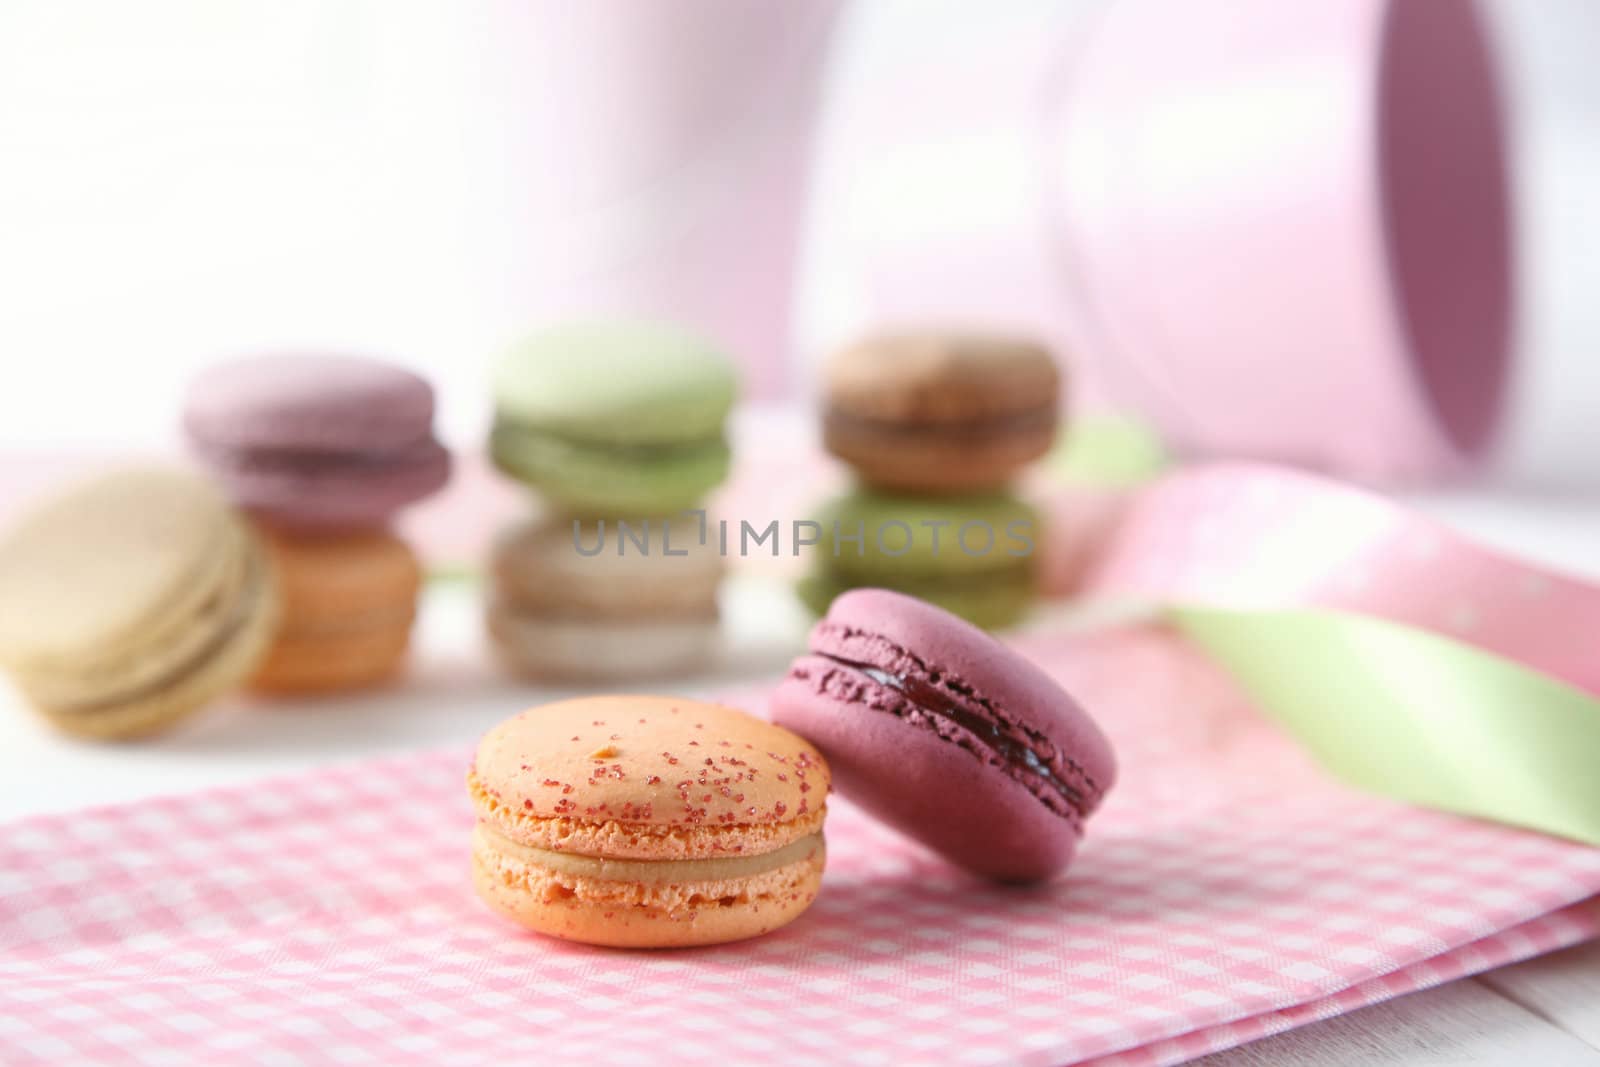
x=130, y=601
x=614, y=417
x=972, y=555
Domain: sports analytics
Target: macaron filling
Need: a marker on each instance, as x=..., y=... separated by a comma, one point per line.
x=363, y=622
x=938, y=702
x=654, y=872
x=997, y=424
x=310, y=463
x=507, y=433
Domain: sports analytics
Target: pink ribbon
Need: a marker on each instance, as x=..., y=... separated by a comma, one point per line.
x=1262, y=537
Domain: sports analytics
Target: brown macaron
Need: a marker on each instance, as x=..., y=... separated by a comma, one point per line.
x=940, y=411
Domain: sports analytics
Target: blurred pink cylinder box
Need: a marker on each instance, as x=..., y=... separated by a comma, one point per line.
x=1275, y=230
x=645, y=159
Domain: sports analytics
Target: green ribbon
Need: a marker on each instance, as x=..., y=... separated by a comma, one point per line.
x=1109, y=451
x=1417, y=716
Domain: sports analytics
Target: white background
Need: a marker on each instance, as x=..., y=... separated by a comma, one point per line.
x=185, y=179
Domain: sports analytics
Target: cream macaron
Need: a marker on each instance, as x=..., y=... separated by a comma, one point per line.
x=131, y=600
x=604, y=599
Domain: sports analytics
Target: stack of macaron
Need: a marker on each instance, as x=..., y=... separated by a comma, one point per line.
x=936, y=426
x=617, y=427
x=322, y=452
x=131, y=600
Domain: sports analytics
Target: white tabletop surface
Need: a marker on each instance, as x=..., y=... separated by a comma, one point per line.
x=1546, y=1012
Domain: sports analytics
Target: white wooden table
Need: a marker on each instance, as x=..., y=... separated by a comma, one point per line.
x=1545, y=1013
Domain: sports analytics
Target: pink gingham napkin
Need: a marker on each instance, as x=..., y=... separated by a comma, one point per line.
x=1229, y=890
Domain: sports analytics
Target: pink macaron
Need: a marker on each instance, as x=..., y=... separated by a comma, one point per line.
x=948, y=735
x=317, y=440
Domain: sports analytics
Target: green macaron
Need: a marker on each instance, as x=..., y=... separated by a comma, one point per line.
x=614, y=416
x=971, y=555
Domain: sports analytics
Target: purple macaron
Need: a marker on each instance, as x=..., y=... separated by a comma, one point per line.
x=948, y=735
x=317, y=440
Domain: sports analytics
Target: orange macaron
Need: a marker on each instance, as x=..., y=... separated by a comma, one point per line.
x=348, y=602
x=647, y=822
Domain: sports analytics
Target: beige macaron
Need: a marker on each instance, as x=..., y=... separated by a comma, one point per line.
x=131, y=600
x=647, y=822
x=604, y=599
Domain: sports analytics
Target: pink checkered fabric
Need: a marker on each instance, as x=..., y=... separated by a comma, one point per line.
x=1228, y=891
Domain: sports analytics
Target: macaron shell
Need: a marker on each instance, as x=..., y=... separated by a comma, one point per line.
x=635, y=917
x=616, y=382
x=646, y=756
x=86, y=573
x=546, y=649
x=331, y=490
x=592, y=479
x=939, y=375
x=335, y=661
x=305, y=402
x=926, y=458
